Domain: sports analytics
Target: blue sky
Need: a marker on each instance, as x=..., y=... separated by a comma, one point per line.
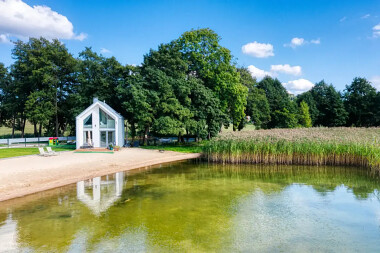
x=332, y=40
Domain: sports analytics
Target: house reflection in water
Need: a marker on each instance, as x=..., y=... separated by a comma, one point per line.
x=105, y=192
x=8, y=235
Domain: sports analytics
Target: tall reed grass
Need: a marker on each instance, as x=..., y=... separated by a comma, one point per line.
x=292, y=146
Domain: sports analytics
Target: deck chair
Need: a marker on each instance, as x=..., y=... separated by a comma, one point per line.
x=42, y=152
x=50, y=151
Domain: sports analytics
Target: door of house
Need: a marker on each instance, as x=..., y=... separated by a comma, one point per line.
x=87, y=138
x=107, y=138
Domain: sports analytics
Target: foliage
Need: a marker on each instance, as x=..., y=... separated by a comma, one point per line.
x=283, y=111
x=46, y=69
x=212, y=63
x=305, y=119
x=308, y=98
x=360, y=102
x=257, y=104
x=285, y=119
x=329, y=104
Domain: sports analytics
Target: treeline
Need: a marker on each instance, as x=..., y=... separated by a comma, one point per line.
x=270, y=106
x=188, y=87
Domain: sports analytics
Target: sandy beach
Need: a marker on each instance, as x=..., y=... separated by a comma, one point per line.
x=30, y=174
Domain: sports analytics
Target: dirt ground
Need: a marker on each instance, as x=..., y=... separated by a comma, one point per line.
x=30, y=174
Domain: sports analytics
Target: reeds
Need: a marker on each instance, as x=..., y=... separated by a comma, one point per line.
x=292, y=146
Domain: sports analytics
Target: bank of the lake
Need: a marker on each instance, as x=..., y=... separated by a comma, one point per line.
x=307, y=146
x=26, y=175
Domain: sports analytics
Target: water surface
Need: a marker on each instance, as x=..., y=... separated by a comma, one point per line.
x=192, y=207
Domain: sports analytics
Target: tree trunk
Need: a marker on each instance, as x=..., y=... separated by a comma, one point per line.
x=40, y=130
x=133, y=131
x=13, y=126
x=35, y=129
x=64, y=129
x=179, y=137
x=56, y=115
x=145, y=138
x=23, y=127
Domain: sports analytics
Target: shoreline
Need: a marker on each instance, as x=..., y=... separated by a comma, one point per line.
x=23, y=176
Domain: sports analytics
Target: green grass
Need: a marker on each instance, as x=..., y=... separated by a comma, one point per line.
x=13, y=152
x=248, y=127
x=6, y=132
x=193, y=148
x=318, y=146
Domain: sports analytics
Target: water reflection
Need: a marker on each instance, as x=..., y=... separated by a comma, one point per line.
x=200, y=208
x=104, y=192
x=8, y=234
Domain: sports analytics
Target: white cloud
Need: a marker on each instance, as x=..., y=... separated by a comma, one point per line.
x=20, y=20
x=376, y=31
x=298, y=86
x=258, y=73
x=259, y=50
x=286, y=69
x=317, y=41
x=105, y=50
x=342, y=19
x=376, y=82
x=366, y=16
x=4, y=38
x=297, y=42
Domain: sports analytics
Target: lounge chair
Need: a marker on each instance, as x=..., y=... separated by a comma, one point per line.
x=42, y=152
x=50, y=151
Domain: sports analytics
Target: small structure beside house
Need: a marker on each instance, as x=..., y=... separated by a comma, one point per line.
x=98, y=126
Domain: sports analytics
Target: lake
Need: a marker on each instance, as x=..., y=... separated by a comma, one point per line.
x=200, y=207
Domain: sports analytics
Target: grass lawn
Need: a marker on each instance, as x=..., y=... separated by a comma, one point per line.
x=7, y=131
x=177, y=148
x=12, y=152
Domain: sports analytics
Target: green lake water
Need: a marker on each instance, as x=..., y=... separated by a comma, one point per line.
x=198, y=207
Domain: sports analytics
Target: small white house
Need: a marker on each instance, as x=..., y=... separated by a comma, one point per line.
x=99, y=126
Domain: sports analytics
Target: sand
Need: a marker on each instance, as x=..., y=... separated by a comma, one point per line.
x=30, y=174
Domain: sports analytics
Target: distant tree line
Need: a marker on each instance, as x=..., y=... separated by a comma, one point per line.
x=188, y=87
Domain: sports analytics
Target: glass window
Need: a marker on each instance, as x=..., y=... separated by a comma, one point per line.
x=103, y=139
x=105, y=121
x=87, y=123
x=111, y=137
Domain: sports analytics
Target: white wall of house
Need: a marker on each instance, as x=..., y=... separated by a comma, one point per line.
x=118, y=130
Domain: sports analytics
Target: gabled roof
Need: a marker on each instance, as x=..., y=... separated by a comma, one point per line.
x=102, y=105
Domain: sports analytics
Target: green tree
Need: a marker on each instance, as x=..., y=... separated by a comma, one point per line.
x=5, y=83
x=285, y=119
x=44, y=66
x=360, y=101
x=308, y=98
x=176, y=93
x=305, y=119
x=377, y=109
x=99, y=77
x=329, y=104
x=39, y=109
x=280, y=104
x=257, y=103
x=137, y=107
x=212, y=63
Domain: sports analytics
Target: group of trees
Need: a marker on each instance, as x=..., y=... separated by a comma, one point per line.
x=189, y=86
x=323, y=105
x=358, y=105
